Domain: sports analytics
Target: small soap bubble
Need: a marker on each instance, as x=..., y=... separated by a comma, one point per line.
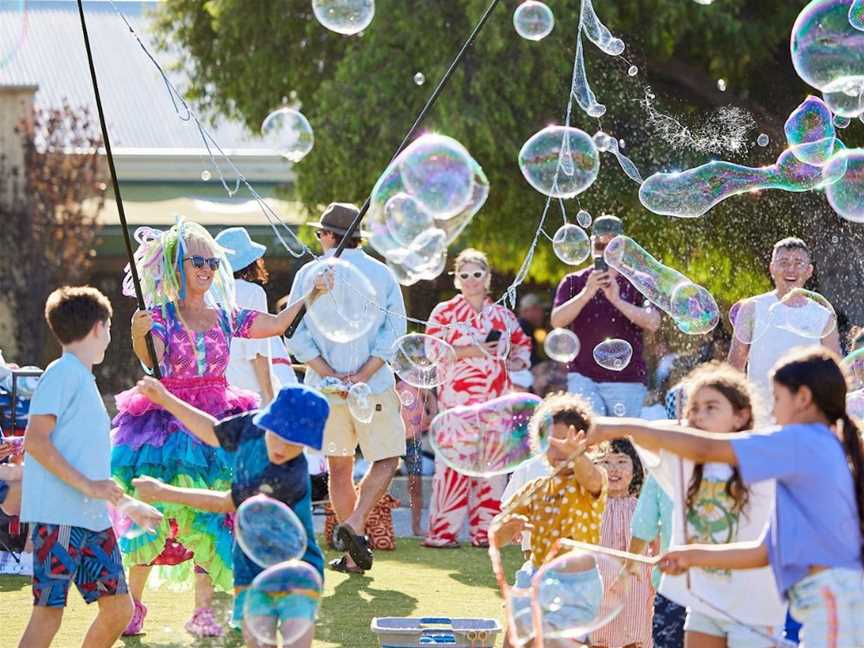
x=206, y=175
x=583, y=218
x=288, y=132
x=762, y=140
x=419, y=78
x=360, y=402
x=561, y=345
x=619, y=409
x=346, y=17
x=721, y=85
x=571, y=244
x=632, y=71
x=613, y=354
x=489, y=438
x=841, y=122
x=268, y=531
x=533, y=20
x=282, y=602
x=407, y=397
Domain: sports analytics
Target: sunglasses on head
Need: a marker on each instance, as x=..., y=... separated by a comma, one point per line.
x=198, y=261
x=477, y=274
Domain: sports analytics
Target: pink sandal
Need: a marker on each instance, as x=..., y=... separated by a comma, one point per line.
x=136, y=624
x=204, y=624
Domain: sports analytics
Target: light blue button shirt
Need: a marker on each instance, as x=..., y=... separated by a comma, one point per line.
x=82, y=434
x=347, y=357
x=653, y=515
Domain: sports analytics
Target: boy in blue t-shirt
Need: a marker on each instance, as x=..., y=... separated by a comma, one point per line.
x=67, y=479
x=268, y=458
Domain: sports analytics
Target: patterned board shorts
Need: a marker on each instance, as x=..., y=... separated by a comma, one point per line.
x=63, y=554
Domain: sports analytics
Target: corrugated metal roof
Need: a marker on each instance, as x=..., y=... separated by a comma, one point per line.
x=137, y=105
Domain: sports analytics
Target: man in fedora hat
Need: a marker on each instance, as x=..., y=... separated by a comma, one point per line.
x=363, y=360
x=597, y=304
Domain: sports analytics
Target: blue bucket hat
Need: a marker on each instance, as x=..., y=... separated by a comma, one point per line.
x=242, y=250
x=297, y=415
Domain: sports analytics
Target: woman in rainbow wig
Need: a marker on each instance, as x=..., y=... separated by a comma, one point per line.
x=189, y=291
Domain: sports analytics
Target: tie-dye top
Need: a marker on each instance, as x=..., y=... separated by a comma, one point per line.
x=190, y=354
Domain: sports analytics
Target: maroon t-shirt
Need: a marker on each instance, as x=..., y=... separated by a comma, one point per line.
x=599, y=321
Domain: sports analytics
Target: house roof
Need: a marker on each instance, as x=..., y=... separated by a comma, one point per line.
x=49, y=53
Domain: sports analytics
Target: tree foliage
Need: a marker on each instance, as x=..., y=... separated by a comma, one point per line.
x=359, y=96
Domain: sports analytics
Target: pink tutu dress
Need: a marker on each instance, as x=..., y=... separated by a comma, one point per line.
x=147, y=440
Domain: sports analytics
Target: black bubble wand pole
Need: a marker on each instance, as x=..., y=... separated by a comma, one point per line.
x=454, y=64
x=118, y=198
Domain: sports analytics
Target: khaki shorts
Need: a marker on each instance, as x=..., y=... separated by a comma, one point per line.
x=382, y=438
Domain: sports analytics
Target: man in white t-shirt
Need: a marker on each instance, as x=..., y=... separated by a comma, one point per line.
x=766, y=329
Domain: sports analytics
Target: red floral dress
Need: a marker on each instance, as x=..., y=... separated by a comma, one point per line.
x=455, y=496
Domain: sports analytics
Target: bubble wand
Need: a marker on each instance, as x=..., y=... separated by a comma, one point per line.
x=118, y=198
x=454, y=64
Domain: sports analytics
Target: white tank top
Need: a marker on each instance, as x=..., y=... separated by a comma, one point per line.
x=774, y=339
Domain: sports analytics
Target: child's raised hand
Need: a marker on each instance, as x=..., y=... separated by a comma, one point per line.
x=148, y=489
x=153, y=389
x=511, y=529
x=573, y=444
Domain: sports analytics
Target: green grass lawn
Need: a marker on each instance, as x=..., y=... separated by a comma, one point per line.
x=411, y=581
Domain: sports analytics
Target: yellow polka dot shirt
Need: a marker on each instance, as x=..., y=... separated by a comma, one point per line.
x=559, y=507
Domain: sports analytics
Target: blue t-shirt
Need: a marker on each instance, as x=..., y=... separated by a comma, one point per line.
x=82, y=434
x=815, y=519
x=254, y=474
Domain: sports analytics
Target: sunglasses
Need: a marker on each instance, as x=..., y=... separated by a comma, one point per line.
x=477, y=274
x=199, y=262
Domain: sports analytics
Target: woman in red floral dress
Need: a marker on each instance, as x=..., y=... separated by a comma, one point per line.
x=481, y=374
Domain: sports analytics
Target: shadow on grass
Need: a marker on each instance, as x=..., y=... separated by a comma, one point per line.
x=355, y=599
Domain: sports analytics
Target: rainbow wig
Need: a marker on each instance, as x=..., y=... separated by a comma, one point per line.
x=159, y=261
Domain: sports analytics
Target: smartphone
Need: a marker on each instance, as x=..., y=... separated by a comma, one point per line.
x=600, y=264
x=494, y=335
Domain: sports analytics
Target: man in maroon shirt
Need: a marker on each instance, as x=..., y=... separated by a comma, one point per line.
x=598, y=304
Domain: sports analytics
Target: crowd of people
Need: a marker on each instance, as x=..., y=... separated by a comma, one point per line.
x=766, y=522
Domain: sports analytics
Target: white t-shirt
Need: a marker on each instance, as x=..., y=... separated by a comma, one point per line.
x=750, y=596
x=240, y=372
x=772, y=338
x=280, y=365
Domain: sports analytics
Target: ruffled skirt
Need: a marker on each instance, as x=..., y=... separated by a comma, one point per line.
x=147, y=440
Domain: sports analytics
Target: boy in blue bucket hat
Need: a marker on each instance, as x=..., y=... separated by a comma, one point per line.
x=268, y=458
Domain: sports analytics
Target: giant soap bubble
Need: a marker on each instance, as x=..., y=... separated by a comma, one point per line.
x=828, y=51
x=802, y=312
x=560, y=161
x=691, y=306
x=344, y=16
x=288, y=132
x=810, y=132
x=846, y=195
x=268, y=531
x=533, y=20
x=421, y=203
x=349, y=309
x=488, y=438
x=282, y=602
x=422, y=360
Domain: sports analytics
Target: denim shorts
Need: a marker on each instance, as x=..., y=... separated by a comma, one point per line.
x=737, y=635
x=608, y=399
x=830, y=607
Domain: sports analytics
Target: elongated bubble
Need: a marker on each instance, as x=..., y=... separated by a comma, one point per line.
x=546, y=153
x=282, y=603
x=581, y=89
x=692, y=307
x=810, y=132
x=422, y=360
x=597, y=32
x=609, y=144
x=268, y=531
x=489, y=438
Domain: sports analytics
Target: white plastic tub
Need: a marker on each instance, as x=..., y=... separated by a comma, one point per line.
x=410, y=632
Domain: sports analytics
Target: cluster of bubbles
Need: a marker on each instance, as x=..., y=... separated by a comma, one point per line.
x=422, y=360
x=349, y=309
x=344, y=16
x=360, y=403
x=571, y=244
x=489, y=438
x=421, y=203
x=802, y=312
x=533, y=20
x=571, y=596
x=561, y=345
x=287, y=131
x=560, y=161
x=613, y=354
x=691, y=306
x=282, y=599
x=815, y=159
